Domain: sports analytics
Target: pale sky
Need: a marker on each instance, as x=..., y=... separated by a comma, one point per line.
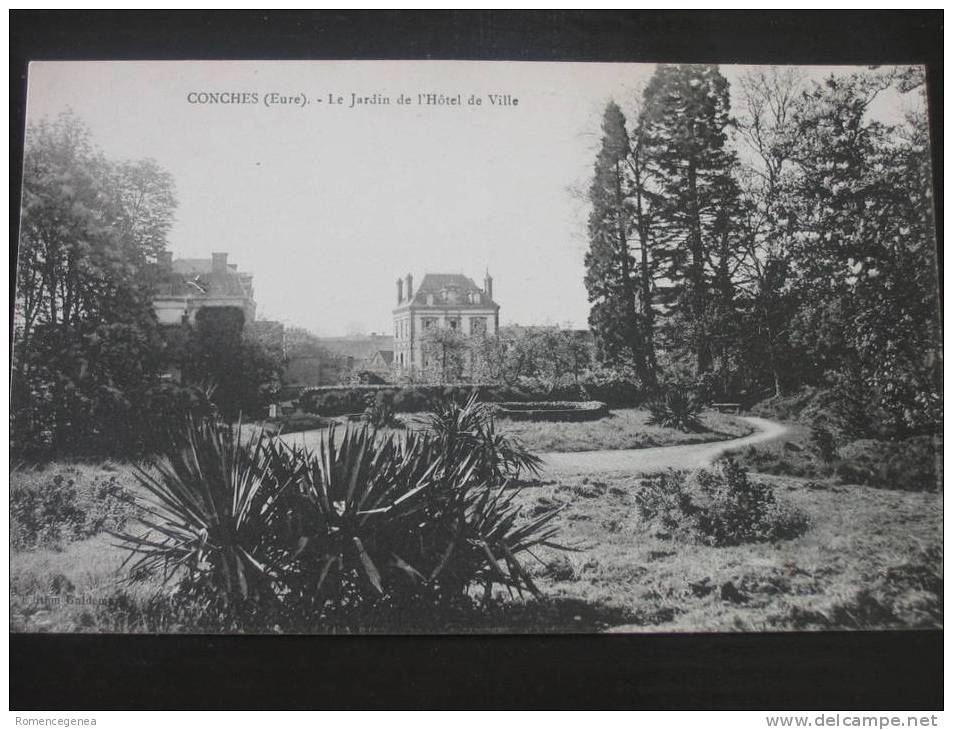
x=327, y=205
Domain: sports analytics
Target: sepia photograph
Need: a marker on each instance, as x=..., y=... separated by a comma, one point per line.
x=475, y=347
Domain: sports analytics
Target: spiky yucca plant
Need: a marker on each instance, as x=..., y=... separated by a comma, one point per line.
x=362, y=517
x=212, y=507
x=471, y=428
x=675, y=407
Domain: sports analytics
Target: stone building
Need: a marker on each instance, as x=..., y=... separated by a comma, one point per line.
x=184, y=287
x=451, y=301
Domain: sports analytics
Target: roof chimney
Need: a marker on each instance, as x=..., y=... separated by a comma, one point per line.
x=400, y=290
x=410, y=287
x=488, y=285
x=219, y=263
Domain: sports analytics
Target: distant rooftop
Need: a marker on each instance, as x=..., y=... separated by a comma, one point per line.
x=459, y=286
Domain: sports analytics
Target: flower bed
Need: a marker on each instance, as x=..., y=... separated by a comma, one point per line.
x=553, y=410
x=339, y=400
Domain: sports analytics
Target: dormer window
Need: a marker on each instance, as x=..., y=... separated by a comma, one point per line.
x=430, y=300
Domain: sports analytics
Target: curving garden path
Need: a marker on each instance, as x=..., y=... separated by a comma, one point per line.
x=657, y=458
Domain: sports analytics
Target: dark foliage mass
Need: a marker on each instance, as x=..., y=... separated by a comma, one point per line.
x=826, y=446
x=785, y=243
x=353, y=399
x=88, y=353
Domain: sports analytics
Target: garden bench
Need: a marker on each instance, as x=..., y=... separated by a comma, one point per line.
x=727, y=407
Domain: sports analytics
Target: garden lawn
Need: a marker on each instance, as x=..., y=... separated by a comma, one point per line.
x=870, y=558
x=624, y=428
x=75, y=589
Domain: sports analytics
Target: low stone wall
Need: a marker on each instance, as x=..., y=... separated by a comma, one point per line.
x=553, y=410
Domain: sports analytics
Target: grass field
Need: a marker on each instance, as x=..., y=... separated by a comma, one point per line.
x=870, y=558
x=624, y=428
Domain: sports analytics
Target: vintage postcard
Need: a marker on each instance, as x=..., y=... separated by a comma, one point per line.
x=475, y=347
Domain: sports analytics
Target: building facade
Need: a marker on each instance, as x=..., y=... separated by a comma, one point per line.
x=184, y=287
x=442, y=301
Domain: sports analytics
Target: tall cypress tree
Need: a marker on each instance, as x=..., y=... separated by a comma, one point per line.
x=611, y=274
x=685, y=121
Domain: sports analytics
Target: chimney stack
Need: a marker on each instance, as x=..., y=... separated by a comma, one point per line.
x=410, y=287
x=400, y=290
x=164, y=260
x=488, y=285
x=219, y=263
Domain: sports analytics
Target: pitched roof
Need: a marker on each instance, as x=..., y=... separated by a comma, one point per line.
x=196, y=266
x=437, y=283
x=182, y=280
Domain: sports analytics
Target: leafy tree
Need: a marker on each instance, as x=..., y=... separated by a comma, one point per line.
x=445, y=353
x=865, y=249
x=766, y=277
x=86, y=345
x=241, y=369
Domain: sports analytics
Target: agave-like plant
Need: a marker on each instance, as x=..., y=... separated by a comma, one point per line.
x=675, y=407
x=352, y=516
x=362, y=516
x=471, y=429
x=213, y=503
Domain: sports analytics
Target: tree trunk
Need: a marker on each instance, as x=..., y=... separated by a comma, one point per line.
x=648, y=315
x=696, y=275
x=636, y=347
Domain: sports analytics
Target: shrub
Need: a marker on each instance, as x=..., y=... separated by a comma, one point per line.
x=380, y=411
x=613, y=391
x=823, y=441
x=343, y=400
x=51, y=508
x=721, y=506
x=259, y=528
x=911, y=464
x=675, y=407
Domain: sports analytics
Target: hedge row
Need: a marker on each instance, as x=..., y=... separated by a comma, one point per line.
x=554, y=411
x=336, y=400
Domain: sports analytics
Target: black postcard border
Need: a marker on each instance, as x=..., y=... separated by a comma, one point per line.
x=807, y=671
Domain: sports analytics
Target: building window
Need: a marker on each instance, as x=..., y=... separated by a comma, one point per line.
x=453, y=323
x=477, y=325
x=429, y=322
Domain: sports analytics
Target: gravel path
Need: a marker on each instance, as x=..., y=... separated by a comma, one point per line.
x=657, y=458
